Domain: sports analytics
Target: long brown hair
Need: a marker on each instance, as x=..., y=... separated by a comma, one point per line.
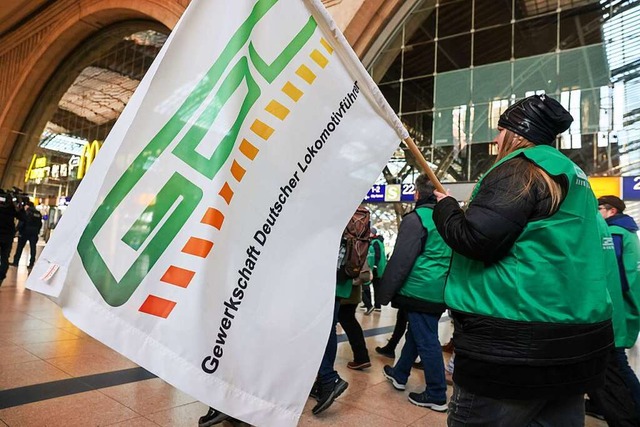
x=513, y=142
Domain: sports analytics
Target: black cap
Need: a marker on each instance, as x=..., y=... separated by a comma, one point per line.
x=537, y=118
x=613, y=201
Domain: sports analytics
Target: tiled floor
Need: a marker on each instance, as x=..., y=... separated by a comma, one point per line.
x=38, y=345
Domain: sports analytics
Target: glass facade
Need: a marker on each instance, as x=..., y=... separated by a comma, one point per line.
x=454, y=66
x=86, y=112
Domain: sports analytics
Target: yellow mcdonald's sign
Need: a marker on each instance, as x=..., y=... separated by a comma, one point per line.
x=27, y=174
x=89, y=153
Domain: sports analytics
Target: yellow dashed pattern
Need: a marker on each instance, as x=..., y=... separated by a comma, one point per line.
x=306, y=74
x=292, y=91
x=319, y=58
x=277, y=109
x=326, y=46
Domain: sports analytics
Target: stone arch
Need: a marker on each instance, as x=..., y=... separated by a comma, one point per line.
x=369, y=22
x=33, y=54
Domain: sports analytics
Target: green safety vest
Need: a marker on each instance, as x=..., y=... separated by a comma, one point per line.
x=630, y=261
x=382, y=263
x=427, y=277
x=344, y=288
x=555, y=272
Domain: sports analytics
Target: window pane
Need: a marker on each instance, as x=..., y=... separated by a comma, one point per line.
x=391, y=92
x=531, y=8
x=584, y=67
x=492, y=45
x=419, y=60
x=453, y=88
x=491, y=82
x=535, y=36
x=535, y=74
x=389, y=64
x=454, y=17
x=454, y=53
x=491, y=12
x=419, y=126
x=417, y=94
x=581, y=26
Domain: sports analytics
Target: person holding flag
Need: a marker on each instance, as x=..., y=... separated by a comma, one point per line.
x=527, y=286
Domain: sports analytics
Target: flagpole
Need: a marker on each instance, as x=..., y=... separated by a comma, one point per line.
x=423, y=163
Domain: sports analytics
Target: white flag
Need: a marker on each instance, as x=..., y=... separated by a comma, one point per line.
x=202, y=244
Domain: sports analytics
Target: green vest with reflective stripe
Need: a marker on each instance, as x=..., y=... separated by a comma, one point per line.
x=426, y=279
x=556, y=270
x=614, y=288
x=630, y=261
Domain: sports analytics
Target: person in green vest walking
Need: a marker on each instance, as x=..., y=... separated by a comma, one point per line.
x=527, y=287
x=414, y=282
x=623, y=230
x=377, y=262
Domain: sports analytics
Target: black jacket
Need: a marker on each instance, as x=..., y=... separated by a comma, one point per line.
x=412, y=237
x=30, y=222
x=8, y=214
x=499, y=215
x=501, y=358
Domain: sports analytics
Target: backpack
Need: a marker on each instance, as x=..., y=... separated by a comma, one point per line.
x=356, y=239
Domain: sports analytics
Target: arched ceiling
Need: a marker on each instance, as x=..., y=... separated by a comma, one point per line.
x=13, y=12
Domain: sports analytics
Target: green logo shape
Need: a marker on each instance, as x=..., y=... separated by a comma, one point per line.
x=164, y=217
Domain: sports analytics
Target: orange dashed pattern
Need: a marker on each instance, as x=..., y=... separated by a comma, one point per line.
x=248, y=149
x=213, y=217
x=157, y=306
x=226, y=192
x=237, y=171
x=178, y=276
x=198, y=247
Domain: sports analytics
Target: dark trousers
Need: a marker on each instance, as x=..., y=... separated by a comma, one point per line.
x=629, y=377
x=22, y=240
x=376, y=291
x=398, y=330
x=614, y=398
x=366, y=296
x=348, y=321
x=469, y=409
x=5, y=251
x=327, y=373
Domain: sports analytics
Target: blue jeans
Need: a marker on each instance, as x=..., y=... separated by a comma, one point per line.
x=422, y=339
x=326, y=373
x=629, y=377
x=469, y=409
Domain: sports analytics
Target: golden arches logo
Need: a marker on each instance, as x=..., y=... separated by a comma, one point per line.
x=89, y=153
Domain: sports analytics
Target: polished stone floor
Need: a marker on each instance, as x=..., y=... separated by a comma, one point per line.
x=53, y=374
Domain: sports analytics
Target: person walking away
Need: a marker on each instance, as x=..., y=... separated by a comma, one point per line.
x=367, y=301
x=379, y=265
x=389, y=349
x=414, y=280
x=348, y=321
x=529, y=299
x=352, y=254
x=30, y=223
x=8, y=214
x=611, y=402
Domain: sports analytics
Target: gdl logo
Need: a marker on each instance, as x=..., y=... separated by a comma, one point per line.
x=162, y=219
